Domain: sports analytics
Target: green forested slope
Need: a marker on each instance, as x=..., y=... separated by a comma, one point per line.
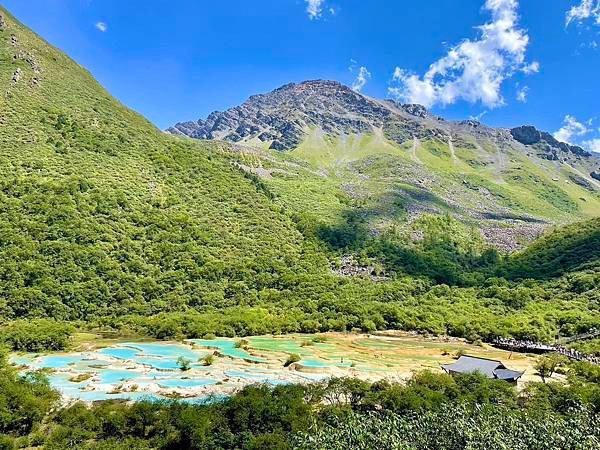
x=106, y=221
x=102, y=213
x=561, y=251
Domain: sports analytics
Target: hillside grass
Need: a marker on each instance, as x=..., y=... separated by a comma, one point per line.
x=376, y=169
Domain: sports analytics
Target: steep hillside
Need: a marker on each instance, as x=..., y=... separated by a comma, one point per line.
x=102, y=213
x=327, y=149
x=563, y=250
x=106, y=221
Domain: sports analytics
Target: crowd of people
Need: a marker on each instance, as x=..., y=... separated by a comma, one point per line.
x=577, y=355
x=517, y=345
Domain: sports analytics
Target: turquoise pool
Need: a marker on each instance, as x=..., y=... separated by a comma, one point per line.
x=227, y=348
x=165, y=350
x=185, y=383
x=58, y=361
x=151, y=370
x=116, y=376
x=119, y=352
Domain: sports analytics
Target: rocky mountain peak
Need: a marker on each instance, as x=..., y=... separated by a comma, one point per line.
x=416, y=110
x=284, y=117
x=544, y=142
x=320, y=86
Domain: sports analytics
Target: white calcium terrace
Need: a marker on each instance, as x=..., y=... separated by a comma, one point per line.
x=152, y=370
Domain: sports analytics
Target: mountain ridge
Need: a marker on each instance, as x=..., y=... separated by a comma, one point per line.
x=405, y=162
x=250, y=120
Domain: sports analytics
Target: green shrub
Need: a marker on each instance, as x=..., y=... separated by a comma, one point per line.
x=242, y=343
x=293, y=358
x=184, y=364
x=36, y=335
x=208, y=360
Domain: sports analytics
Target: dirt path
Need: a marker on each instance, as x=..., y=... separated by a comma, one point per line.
x=452, y=151
x=500, y=163
x=415, y=147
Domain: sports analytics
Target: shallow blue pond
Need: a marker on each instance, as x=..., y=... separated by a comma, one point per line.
x=21, y=360
x=227, y=348
x=185, y=383
x=322, y=364
x=159, y=363
x=58, y=361
x=145, y=396
x=62, y=381
x=119, y=352
x=247, y=375
x=165, y=350
x=313, y=363
x=116, y=376
x=94, y=396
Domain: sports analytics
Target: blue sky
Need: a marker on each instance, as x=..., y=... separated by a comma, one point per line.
x=510, y=62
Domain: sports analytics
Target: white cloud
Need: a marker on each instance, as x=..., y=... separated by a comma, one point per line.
x=361, y=79
x=592, y=145
x=314, y=8
x=522, y=94
x=479, y=116
x=101, y=26
x=534, y=67
x=473, y=70
x=587, y=9
x=571, y=128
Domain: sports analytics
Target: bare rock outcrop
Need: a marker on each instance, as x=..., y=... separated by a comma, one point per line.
x=17, y=75
x=550, y=147
x=350, y=267
x=284, y=118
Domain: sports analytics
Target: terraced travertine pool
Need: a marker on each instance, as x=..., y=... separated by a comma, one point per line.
x=152, y=370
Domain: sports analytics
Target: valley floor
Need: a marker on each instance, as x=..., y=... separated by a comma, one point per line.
x=105, y=369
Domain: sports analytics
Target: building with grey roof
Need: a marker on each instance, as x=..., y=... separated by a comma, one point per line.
x=488, y=367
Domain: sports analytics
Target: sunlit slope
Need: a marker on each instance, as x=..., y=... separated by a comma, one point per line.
x=563, y=250
x=100, y=212
x=388, y=183
x=386, y=162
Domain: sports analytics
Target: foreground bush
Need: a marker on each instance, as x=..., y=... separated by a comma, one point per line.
x=456, y=427
x=24, y=402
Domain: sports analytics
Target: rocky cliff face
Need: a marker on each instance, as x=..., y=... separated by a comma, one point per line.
x=545, y=142
x=283, y=118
